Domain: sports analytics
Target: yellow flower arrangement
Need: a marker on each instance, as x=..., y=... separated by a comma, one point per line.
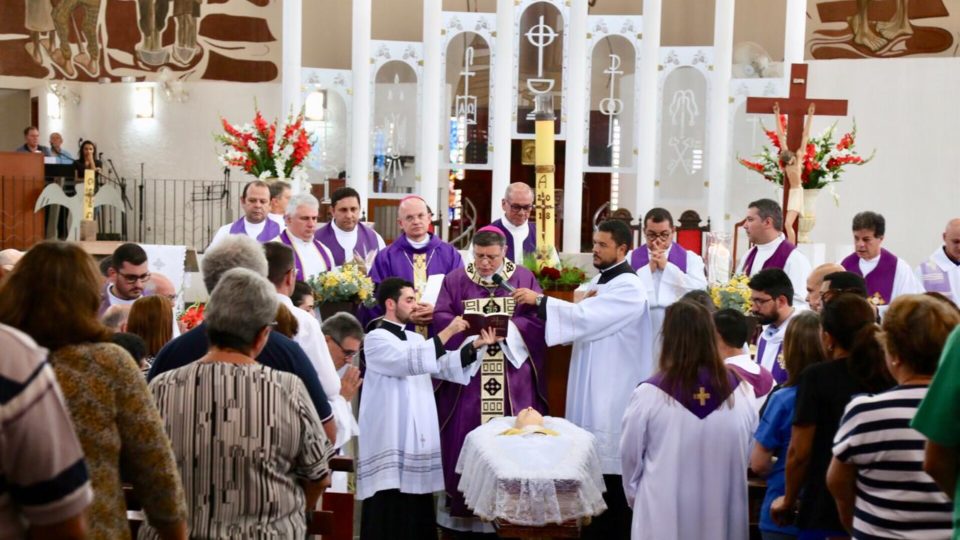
x=349, y=283
x=733, y=294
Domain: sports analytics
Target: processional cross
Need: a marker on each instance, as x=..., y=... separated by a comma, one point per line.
x=796, y=107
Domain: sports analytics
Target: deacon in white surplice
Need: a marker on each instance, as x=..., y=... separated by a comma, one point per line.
x=612, y=353
x=399, y=465
x=941, y=272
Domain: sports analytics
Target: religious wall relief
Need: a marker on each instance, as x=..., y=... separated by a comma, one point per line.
x=87, y=40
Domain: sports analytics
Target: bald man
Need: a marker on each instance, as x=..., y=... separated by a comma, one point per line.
x=815, y=281
x=8, y=259
x=941, y=272
x=160, y=285
x=521, y=233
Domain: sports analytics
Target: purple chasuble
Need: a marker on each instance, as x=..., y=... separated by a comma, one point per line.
x=704, y=399
x=762, y=382
x=366, y=242
x=880, y=280
x=677, y=256
x=778, y=371
x=934, y=279
x=285, y=238
x=270, y=230
x=777, y=260
x=458, y=406
x=529, y=243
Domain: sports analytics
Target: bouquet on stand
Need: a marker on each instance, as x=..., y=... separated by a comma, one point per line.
x=555, y=276
x=269, y=151
x=342, y=289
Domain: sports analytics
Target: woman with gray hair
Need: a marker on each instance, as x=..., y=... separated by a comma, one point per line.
x=251, y=449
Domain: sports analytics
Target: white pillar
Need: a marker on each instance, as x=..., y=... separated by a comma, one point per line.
x=648, y=138
x=291, y=51
x=359, y=177
x=575, y=105
x=502, y=104
x=718, y=168
x=430, y=107
x=795, y=34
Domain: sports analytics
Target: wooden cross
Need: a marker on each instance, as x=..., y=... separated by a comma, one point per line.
x=795, y=107
x=702, y=396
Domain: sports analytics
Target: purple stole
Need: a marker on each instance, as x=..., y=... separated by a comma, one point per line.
x=777, y=260
x=529, y=243
x=285, y=238
x=880, y=280
x=935, y=279
x=269, y=232
x=704, y=399
x=677, y=256
x=777, y=369
x=366, y=242
x=761, y=382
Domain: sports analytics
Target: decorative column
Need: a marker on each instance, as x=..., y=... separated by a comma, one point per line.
x=647, y=135
x=501, y=103
x=359, y=177
x=574, y=112
x=718, y=167
x=292, y=53
x=430, y=107
x=795, y=35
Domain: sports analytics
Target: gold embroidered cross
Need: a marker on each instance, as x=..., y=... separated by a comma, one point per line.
x=702, y=396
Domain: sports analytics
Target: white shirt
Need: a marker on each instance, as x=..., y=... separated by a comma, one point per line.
x=116, y=300
x=797, y=268
x=773, y=335
x=348, y=240
x=253, y=231
x=519, y=234
x=310, y=259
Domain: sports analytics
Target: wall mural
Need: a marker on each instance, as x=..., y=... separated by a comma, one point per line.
x=85, y=40
x=880, y=29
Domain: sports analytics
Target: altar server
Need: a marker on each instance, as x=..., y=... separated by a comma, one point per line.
x=399, y=466
x=347, y=238
x=764, y=228
x=732, y=334
x=255, y=202
x=311, y=256
x=941, y=272
x=612, y=353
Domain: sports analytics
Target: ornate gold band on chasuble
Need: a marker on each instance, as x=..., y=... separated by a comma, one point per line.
x=494, y=400
x=507, y=270
x=419, y=284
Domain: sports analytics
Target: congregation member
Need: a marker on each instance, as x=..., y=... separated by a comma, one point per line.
x=887, y=276
x=415, y=256
x=854, y=365
x=612, y=353
x=115, y=317
x=941, y=271
x=516, y=366
x=46, y=486
x=344, y=336
x=151, y=318
x=255, y=203
x=280, y=193
x=801, y=348
x=668, y=271
x=302, y=297
x=8, y=259
x=702, y=297
x=348, y=238
x=286, y=324
x=31, y=142
x=686, y=437
x=732, y=334
x=57, y=152
x=310, y=256
x=839, y=283
x=771, y=299
x=399, y=466
x=815, y=283
x=308, y=334
x=127, y=276
x=250, y=447
x=764, y=228
x=52, y=296
x=135, y=346
x=521, y=233
x=241, y=251
x=876, y=475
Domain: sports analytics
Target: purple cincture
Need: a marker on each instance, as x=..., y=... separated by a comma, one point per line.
x=529, y=243
x=880, y=280
x=677, y=256
x=366, y=242
x=704, y=399
x=777, y=260
x=270, y=230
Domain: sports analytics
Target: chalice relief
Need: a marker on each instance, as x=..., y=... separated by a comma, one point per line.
x=683, y=114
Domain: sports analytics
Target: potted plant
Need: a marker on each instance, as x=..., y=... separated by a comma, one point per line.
x=342, y=289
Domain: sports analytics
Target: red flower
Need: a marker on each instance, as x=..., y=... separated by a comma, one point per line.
x=751, y=165
x=772, y=135
x=193, y=316
x=549, y=272
x=260, y=123
x=845, y=142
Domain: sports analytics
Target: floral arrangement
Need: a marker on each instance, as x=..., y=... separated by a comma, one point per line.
x=823, y=159
x=266, y=150
x=734, y=294
x=349, y=283
x=553, y=276
x=192, y=316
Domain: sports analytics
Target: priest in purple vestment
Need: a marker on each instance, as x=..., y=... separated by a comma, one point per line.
x=511, y=375
x=520, y=232
x=764, y=228
x=415, y=256
x=887, y=276
x=347, y=238
x=255, y=202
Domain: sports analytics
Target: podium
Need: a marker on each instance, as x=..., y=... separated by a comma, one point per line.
x=21, y=181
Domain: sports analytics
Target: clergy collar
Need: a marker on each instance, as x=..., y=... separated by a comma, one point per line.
x=771, y=245
x=514, y=228
x=418, y=245
x=949, y=258
x=394, y=328
x=607, y=274
x=299, y=240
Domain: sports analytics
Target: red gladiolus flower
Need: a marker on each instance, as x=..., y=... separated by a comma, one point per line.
x=549, y=272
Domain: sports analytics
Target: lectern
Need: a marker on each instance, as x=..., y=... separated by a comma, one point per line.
x=21, y=181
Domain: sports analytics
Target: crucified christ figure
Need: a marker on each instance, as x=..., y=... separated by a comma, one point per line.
x=896, y=26
x=792, y=163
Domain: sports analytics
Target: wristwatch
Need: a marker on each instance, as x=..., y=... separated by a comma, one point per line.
x=539, y=300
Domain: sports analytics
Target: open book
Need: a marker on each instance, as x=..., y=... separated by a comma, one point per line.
x=496, y=321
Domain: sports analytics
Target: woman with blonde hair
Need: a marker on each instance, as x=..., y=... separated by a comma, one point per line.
x=151, y=318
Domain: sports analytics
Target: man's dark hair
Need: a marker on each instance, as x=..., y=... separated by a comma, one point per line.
x=105, y=264
x=774, y=282
x=28, y=129
x=127, y=253
x=277, y=188
x=279, y=261
x=257, y=183
x=489, y=238
x=702, y=297
x=389, y=289
x=768, y=208
x=658, y=215
x=870, y=221
x=343, y=193
x=300, y=289
x=341, y=326
x=846, y=282
x=620, y=231
x=731, y=326
x=132, y=343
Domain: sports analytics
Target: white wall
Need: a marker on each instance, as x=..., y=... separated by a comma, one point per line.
x=15, y=115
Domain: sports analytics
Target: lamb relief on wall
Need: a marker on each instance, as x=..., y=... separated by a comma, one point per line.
x=87, y=40
x=880, y=29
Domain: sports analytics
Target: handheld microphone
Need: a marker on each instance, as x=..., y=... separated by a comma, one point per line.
x=498, y=279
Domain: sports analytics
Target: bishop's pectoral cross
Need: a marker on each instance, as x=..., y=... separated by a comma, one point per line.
x=702, y=396
x=796, y=107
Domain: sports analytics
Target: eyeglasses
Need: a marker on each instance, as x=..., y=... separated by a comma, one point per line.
x=760, y=301
x=132, y=279
x=521, y=207
x=347, y=353
x=665, y=235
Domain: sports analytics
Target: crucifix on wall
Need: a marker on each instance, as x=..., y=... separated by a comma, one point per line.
x=796, y=107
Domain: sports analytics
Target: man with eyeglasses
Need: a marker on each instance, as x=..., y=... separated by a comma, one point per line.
x=667, y=270
x=771, y=299
x=520, y=232
x=127, y=276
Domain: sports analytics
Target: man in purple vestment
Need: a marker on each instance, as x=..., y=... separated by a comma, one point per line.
x=346, y=237
x=520, y=232
x=511, y=375
x=255, y=201
x=764, y=228
x=415, y=256
x=887, y=276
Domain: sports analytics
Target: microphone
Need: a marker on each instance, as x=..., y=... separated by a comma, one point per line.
x=498, y=279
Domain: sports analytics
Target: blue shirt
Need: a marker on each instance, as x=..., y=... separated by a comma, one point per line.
x=280, y=353
x=773, y=433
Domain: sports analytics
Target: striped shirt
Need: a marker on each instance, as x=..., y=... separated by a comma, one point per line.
x=895, y=498
x=43, y=477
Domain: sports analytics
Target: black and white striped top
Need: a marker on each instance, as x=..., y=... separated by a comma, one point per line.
x=895, y=498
